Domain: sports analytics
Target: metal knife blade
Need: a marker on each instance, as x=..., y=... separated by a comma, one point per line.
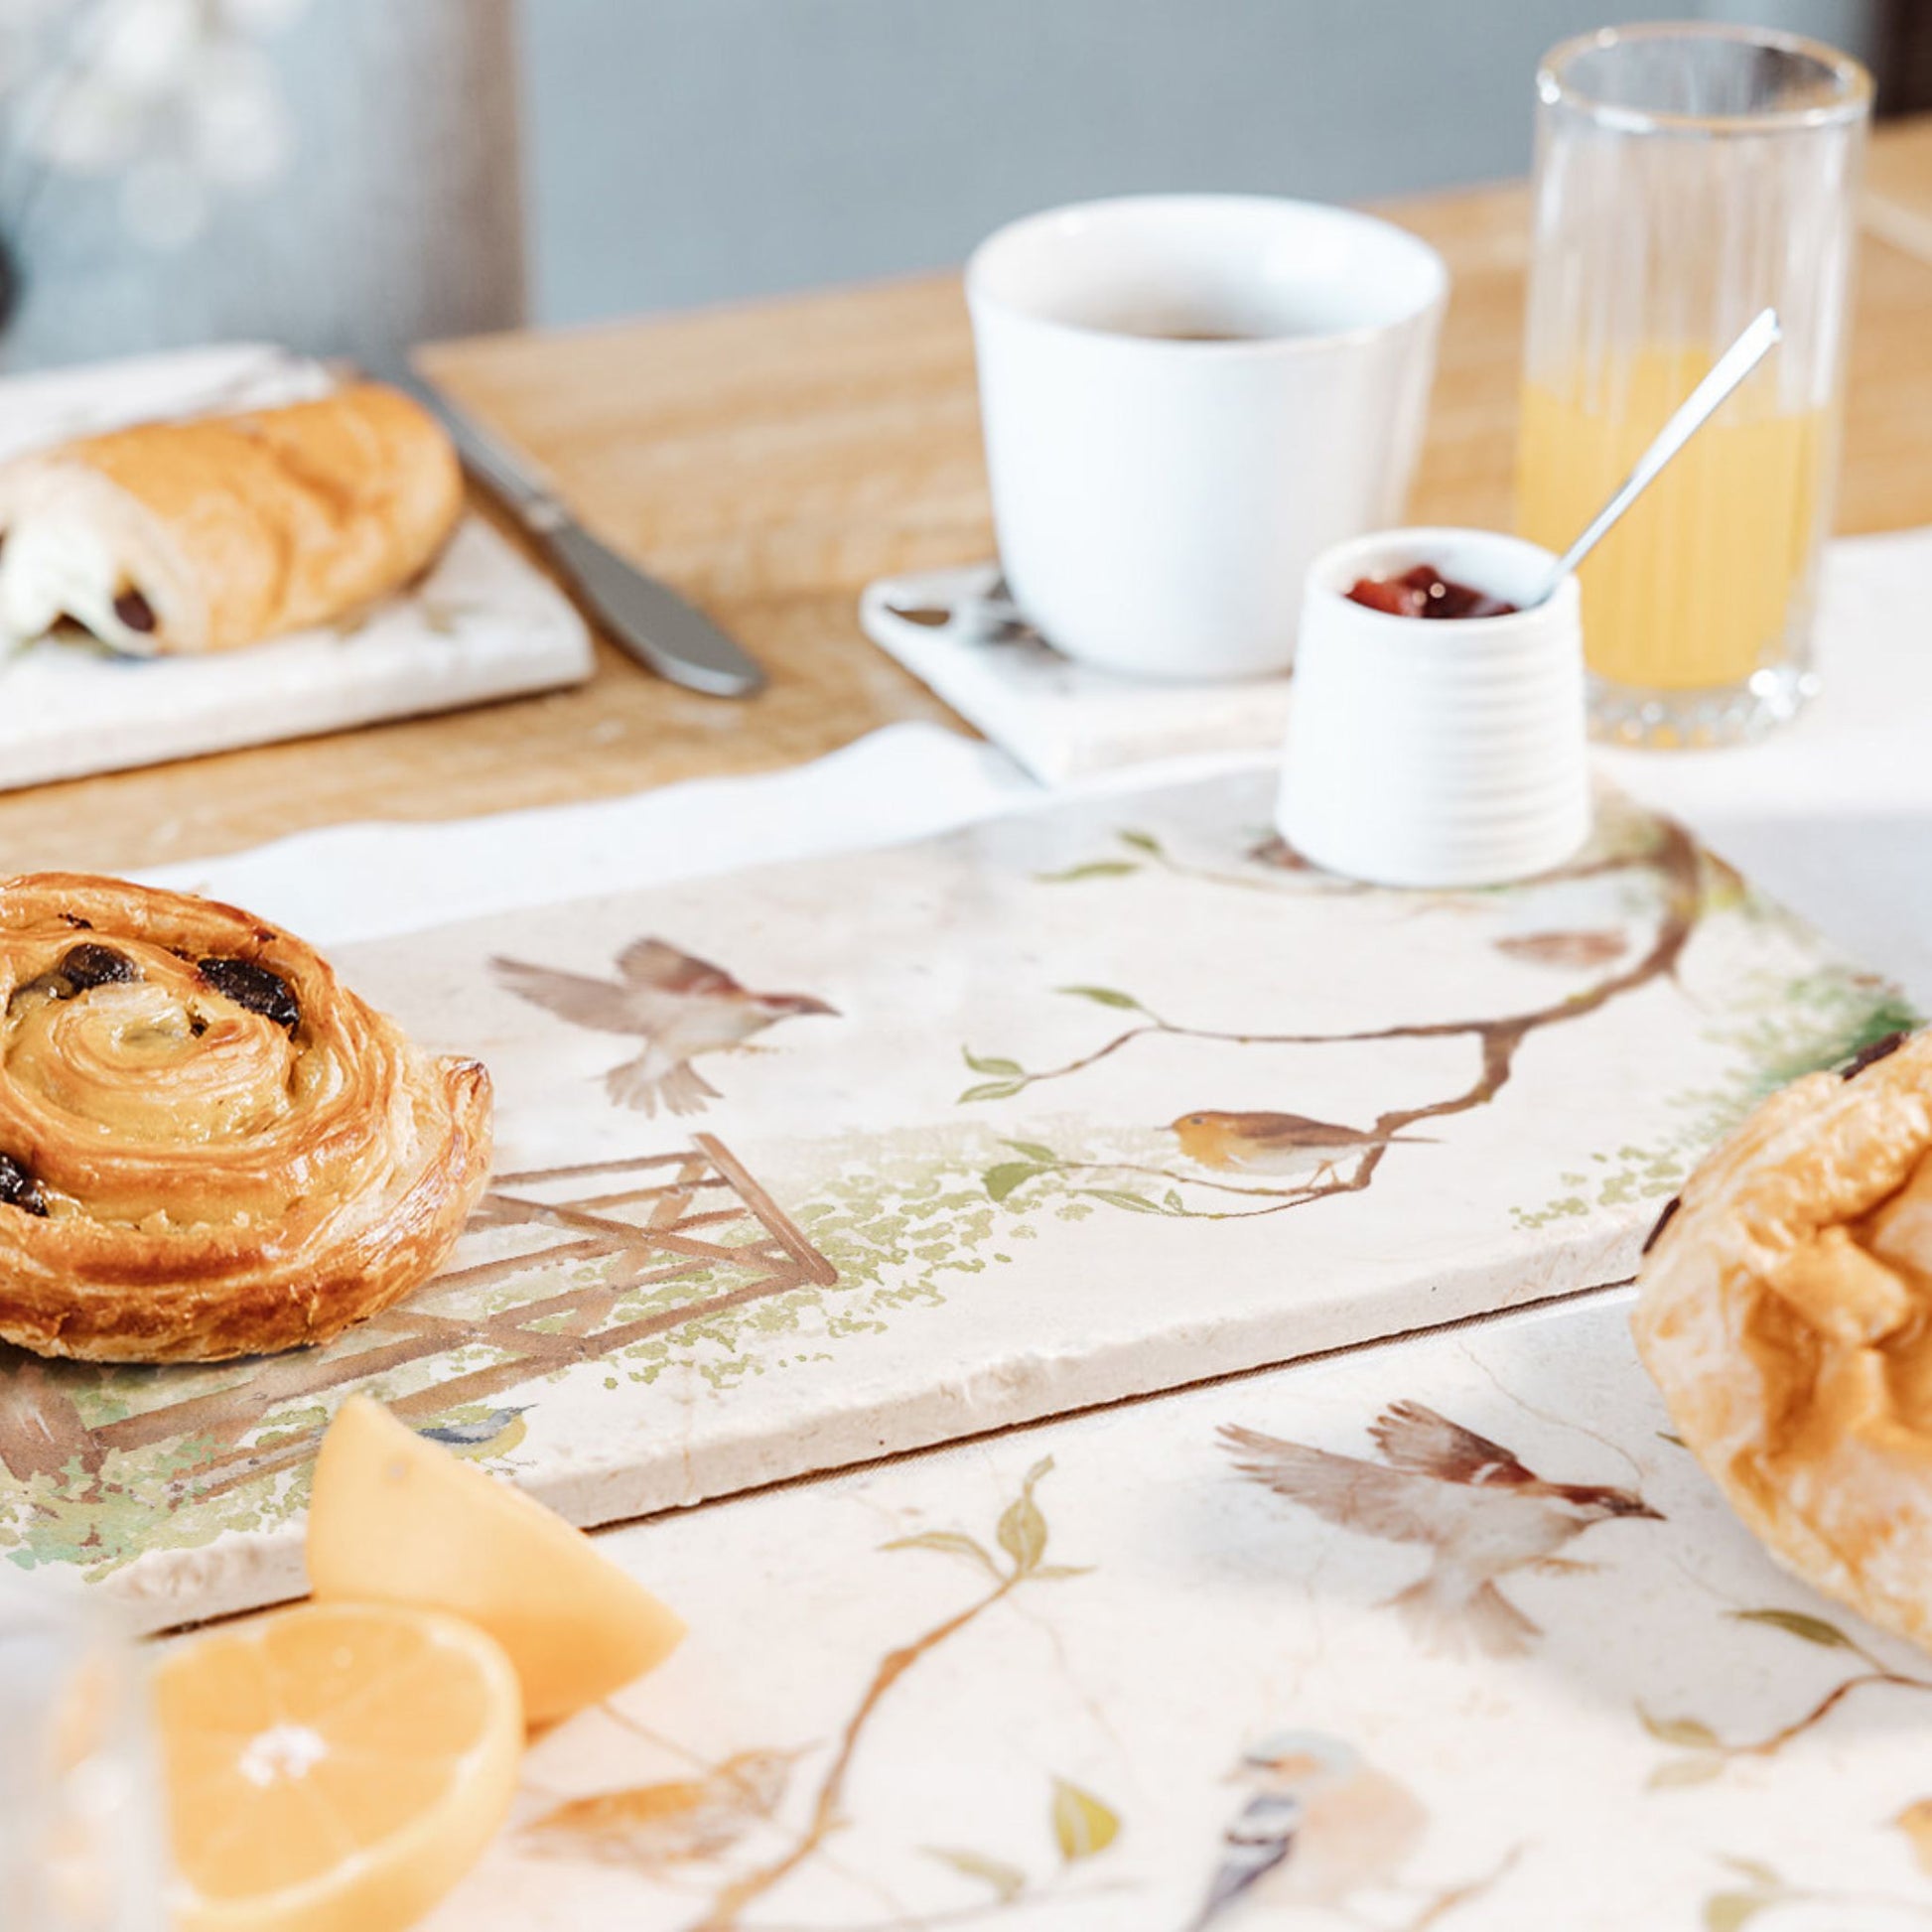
x=647, y=619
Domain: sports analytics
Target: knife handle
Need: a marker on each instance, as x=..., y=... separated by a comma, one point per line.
x=633, y=605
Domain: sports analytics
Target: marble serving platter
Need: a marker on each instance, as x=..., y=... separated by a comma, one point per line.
x=481, y=623
x=1064, y=722
x=802, y=1167
x=1045, y=1678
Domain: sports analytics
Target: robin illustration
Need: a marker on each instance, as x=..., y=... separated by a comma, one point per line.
x=1321, y=1824
x=495, y=1433
x=1467, y=1499
x=1260, y=1143
x=682, y=1821
x=681, y=1007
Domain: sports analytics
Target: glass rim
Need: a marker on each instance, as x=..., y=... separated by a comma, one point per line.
x=1853, y=100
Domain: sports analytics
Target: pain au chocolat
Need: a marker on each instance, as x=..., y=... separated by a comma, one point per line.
x=209, y=1146
x=1785, y=1311
x=225, y=531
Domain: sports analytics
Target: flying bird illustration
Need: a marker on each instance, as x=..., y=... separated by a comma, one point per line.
x=1467, y=1499
x=683, y=1821
x=679, y=1006
x=495, y=1433
x=1262, y=1143
x=1321, y=1825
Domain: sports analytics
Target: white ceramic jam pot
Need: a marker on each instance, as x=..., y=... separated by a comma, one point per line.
x=1437, y=752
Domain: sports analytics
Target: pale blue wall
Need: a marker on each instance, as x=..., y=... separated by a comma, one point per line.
x=687, y=151
x=680, y=151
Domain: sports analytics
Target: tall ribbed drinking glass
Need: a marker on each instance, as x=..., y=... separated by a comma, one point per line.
x=1686, y=178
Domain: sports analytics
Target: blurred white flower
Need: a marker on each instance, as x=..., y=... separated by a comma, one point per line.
x=260, y=16
x=163, y=203
x=24, y=26
x=173, y=95
x=238, y=131
x=144, y=46
x=80, y=123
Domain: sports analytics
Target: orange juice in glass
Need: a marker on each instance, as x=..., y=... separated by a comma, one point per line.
x=1687, y=177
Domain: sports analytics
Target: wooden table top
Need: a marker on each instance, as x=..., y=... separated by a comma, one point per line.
x=768, y=459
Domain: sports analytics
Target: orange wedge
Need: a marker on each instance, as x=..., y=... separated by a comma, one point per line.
x=396, y=1519
x=333, y=1769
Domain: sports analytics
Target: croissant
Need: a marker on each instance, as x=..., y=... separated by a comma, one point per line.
x=225, y=531
x=1785, y=1311
x=209, y=1146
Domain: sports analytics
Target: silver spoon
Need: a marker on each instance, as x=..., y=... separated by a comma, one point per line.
x=1729, y=369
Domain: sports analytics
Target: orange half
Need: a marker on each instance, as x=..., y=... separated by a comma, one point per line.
x=333, y=1769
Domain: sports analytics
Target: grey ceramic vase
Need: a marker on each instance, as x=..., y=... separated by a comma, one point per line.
x=397, y=219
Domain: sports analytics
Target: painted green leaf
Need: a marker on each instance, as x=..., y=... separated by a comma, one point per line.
x=1725, y=1911
x=951, y=1542
x=1052, y=1572
x=991, y=1090
x=1082, y=1824
x=1007, y=1175
x=1757, y=1871
x=1141, y=842
x=1799, y=1623
x=1007, y=1881
x=1022, y=1532
x=1094, y=869
x=1664, y=1436
x=986, y=1063
x=1691, y=1734
x=1118, y=1198
x=1103, y=996
x=1034, y=1150
x=1699, y=1769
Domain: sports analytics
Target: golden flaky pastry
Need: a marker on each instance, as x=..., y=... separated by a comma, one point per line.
x=1785, y=1313
x=225, y=531
x=209, y=1146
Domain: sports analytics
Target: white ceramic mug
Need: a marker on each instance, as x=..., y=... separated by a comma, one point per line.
x=1437, y=752
x=1186, y=398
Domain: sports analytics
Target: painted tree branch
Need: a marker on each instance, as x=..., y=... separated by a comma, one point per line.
x=1674, y=859
x=1769, y=1746
x=728, y=1908
x=1675, y=862
x=1707, y=1754
x=1022, y=1537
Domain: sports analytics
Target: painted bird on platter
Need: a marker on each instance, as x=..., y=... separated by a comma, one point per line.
x=1481, y=1513
x=1262, y=1143
x=652, y=1828
x=679, y=1006
x=1321, y=1825
x=495, y=1434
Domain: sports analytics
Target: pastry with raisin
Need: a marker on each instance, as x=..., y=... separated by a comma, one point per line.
x=209, y=1146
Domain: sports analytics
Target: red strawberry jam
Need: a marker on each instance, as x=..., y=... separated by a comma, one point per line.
x=1426, y=593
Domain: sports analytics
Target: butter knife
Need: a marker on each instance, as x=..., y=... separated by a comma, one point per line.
x=647, y=619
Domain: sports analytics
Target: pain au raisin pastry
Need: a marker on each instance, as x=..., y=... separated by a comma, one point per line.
x=225, y=531
x=209, y=1146
x=1786, y=1314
